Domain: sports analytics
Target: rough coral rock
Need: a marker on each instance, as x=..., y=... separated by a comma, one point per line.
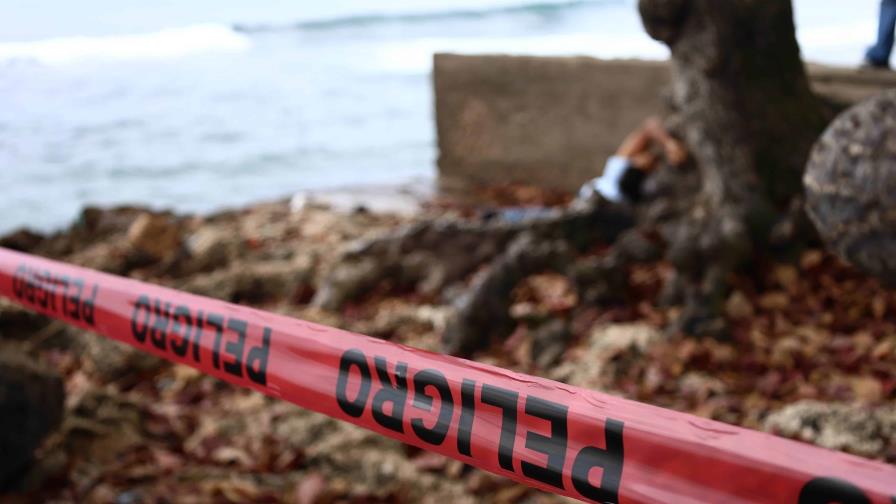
x=156, y=236
x=850, y=183
x=866, y=431
x=609, y=351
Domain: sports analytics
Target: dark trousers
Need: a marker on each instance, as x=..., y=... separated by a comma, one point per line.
x=879, y=53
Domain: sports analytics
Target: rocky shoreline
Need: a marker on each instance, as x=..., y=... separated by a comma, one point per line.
x=811, y=357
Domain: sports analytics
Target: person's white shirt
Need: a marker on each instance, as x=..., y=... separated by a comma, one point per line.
x=609, y=183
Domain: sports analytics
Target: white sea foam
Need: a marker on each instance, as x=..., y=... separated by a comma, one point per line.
x=163, y=44
x=416, y=56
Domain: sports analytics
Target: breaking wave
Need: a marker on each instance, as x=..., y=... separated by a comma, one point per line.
x=160, y=45
x=366, y=20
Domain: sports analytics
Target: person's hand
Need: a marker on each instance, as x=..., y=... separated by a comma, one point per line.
x=676, y=152
x=644, y=161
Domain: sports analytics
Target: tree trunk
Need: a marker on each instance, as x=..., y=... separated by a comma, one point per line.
x=739, y=89
x=743, y=105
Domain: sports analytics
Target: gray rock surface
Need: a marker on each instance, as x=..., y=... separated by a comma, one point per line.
x=850, y=183
x=866, y=431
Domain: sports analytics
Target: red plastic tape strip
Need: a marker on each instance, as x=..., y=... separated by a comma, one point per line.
x=561, y=439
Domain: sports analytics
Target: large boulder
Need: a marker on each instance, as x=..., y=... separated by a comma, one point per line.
x=850, y=183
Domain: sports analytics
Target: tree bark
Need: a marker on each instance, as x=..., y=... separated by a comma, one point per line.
x=743, y=106
x=739, y=89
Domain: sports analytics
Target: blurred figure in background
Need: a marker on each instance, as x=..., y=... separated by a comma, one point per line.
x=878, y=55
x=645, y=149
x=642, y=151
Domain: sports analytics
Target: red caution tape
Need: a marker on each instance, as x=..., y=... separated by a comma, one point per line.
x=558, y=438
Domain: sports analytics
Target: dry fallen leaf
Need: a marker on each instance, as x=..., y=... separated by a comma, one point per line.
x=867, y=388
x=311, y=489
x=787, y=277
x=811, y=259
x=879, y=306
x=429, y=461
x=738, y=306
x=232, y=455
x=775, y=300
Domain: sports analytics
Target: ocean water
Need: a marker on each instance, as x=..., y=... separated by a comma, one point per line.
x=208, y=104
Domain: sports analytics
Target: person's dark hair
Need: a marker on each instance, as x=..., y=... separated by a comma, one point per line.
x=631, y=183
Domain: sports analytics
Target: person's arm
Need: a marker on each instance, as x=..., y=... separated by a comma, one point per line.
x=636, y=144
x=636, y=147
x=675, y=151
